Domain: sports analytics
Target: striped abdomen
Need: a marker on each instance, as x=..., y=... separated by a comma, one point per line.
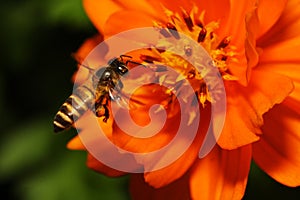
x=75, y=106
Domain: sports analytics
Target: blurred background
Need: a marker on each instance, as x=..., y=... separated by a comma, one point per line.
x=37, y=39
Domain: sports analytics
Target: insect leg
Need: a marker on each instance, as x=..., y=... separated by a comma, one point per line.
x=101, y=109
x=106, y=113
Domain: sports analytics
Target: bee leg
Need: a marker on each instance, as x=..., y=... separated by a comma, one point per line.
x=106, y=113
x=102, y=111
x=98, y=110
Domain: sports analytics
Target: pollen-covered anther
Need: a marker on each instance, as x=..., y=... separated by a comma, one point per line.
x=199, y=23
x=224, y=58
x=202, y=35
x=162, y=29
x=165, y=33
x=187, y=19
x=173, y=30
x=224, y=43
x=149, y=59
x=222, y=52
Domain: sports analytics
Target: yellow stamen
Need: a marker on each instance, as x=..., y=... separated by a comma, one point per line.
x=221, y=51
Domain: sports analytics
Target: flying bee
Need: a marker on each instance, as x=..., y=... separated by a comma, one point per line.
x=95, y=93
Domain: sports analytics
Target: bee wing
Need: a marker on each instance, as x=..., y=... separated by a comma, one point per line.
x=123, y=100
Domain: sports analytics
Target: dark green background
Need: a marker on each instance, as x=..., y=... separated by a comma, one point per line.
x=37, y=39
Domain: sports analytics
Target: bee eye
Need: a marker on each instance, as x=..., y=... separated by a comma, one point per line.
x=122, y=69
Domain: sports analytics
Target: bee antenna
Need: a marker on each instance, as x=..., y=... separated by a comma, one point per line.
x=126, y=56
x=85, y=66
x=79, y=61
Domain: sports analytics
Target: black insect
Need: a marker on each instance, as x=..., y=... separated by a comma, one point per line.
x=95, y=94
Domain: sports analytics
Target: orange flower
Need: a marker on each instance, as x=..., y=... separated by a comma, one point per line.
x=254, y=45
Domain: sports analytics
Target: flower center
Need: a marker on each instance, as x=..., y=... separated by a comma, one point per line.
x=221, y=50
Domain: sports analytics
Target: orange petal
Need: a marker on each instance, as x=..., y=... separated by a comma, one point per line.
x=176, y=169
x=130, y=20
x=288, y=69
x=215, y=10
x=100, y=11
x=178, y=189
x=287, y=26
x=151, y=8
x=148, y=144
x=269, y=12
x=176, y=5
x=278, y=151
x=252, y=22
x=100, y=147
x=284, y=51
x=75, y=144
x=236, y=28
x=236, y=21
x=140, y=116
x=94, y=164
x=246, y=105
x=222, y=174
x=82, y=74
x=87, y=46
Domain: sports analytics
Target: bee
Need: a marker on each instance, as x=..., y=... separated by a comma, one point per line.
x=95, y=93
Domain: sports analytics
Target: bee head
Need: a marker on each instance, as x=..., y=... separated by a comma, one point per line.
x=119, y=66
x=122, y=69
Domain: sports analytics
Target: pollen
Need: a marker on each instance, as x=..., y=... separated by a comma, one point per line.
x=192, y=24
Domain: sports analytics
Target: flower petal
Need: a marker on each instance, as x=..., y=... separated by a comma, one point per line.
x=178, y=168
x=97, y=166
x=246, y=105
x=75, y=144
x=87, y=46
x=252, y=22
x=215, y=10
x=99, y=11
x=287, y=26
x=288, y=69
x=140, y=116
x=236, y=28
x=222, y=174
x=178, y=189
x=278, y=152
x=152, y=8
x=82, y=74
x=175, y=170
x=89, y=128
x=236, y=21
x=269, y=12
x=162, y=176
x=131, y=20
x=176, y=5
x=284, y=51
